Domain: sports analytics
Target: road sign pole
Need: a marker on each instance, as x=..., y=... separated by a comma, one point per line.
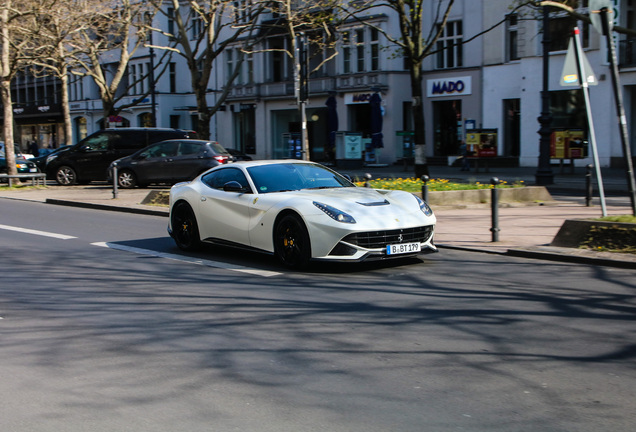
x=583, y=81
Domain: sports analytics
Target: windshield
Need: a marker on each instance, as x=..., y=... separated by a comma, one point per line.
x=295, y=176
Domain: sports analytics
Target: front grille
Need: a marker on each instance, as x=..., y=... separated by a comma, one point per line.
x=379, y=239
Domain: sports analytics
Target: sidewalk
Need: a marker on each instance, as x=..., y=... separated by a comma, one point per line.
x=525, y=230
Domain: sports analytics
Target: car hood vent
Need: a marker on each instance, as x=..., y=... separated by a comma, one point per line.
x=373, y=203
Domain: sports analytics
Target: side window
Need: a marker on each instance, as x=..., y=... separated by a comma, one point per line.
x=97, y=143
x=186, y=148
x=218, y=178
x=167, y=149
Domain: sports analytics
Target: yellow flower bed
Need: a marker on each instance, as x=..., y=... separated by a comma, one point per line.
x=415, y=185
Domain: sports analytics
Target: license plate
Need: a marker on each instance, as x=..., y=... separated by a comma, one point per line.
x=403, y=248
x=33, y=170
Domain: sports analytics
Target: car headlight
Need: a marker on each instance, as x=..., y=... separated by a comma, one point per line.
x=423, y=206
x=21, y=165
x=335, y=214
x=51, y=157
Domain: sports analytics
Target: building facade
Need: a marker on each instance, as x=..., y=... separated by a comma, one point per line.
x=473, y=82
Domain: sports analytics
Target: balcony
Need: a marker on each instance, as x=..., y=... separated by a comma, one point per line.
x=317, y=86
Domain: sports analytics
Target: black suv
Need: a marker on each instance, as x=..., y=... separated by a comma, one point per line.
x=88, y=160
x=169, y=162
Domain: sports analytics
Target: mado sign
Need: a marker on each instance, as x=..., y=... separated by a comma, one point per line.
x=454, y=86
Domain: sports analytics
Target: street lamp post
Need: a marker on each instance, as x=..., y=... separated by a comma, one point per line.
x=544, y=175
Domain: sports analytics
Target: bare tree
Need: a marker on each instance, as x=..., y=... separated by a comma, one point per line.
x=14, y=42
x=200, y=32
x=104, y=47
x=55, y=25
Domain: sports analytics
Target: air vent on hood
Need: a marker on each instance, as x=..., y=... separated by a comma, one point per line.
x=374, y=203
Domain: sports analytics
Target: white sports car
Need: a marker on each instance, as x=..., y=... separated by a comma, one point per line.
x=299, y=211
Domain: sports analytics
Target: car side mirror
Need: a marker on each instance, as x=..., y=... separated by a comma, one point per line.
x=233, y=186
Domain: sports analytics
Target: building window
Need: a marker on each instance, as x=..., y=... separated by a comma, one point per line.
x=561, y=26
x=280, y=69
x=133, y=79
x=512, y=41
x=375, y=49
x=346, y=52
x=172, y=72
x=249, y=68
x=360, y=50
x=242, y=11
x=229, y=61
x=449, y=46
x=171, y=33
x=196, y=25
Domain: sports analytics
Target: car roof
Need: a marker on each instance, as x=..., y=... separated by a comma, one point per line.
x=261, y=162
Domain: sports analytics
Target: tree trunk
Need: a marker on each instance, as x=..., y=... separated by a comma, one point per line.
x=203, y=130
x=66, y=110
x=5, y=90
x=419, y=130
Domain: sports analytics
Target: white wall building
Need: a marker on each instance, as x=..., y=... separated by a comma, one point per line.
x=491, y=82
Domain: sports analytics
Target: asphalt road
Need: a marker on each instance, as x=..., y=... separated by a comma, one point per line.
x=106, y=326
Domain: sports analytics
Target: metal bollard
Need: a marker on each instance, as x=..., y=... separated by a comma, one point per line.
x=368, y=178
x=425, y=180
x=494, y=204
x=114, y=181
x=589, y=191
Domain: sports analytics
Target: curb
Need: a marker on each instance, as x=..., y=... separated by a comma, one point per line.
x=544, y=253
x=107, y=207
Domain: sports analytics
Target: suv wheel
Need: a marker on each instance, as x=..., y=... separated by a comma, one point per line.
x=66, y=176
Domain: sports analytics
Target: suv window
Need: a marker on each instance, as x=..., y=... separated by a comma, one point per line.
x=127, y=139
x=97, y=143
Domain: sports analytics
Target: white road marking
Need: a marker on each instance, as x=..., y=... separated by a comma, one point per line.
x=190, y=260
x=36, y=232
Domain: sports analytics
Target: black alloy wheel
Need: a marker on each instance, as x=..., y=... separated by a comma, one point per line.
x=291, y=242
x=185, y=230
x=66, y=176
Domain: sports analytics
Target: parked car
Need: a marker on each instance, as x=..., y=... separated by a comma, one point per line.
x=40, y=161
x=169, y=162
x=298, y=211
x=23, y=165
x=238, y=155
x=89, y=159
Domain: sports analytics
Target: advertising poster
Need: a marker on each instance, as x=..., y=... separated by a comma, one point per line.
x=482, y=142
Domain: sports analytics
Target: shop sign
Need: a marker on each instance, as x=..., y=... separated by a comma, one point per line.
x=357, y=98
x=453, y=86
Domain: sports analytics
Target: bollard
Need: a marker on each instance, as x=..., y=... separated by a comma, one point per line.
x=494, y=204
x=368, y=178
x=425, y=180
x=588, y=185
x=115, y=181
